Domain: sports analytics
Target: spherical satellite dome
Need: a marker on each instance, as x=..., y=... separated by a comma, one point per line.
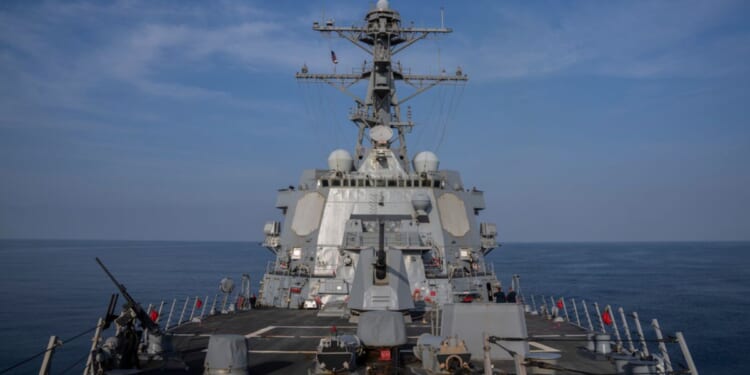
x=226, y=285
x=340, y=161
x=426, y=162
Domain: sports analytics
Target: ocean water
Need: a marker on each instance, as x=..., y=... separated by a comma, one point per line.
x=55, y=287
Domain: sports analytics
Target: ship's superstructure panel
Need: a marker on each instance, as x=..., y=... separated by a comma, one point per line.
x=429, y=218
x=379, y=209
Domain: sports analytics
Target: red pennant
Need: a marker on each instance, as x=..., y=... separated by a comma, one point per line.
x=560, y=304
x=607, y=318
x=153, y=315
x=198, y=303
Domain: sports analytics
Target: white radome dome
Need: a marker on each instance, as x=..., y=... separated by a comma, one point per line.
x=426, y=162
x=340, y=161
x=421, y=202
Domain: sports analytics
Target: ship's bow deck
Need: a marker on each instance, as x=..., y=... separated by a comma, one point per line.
x=284, y=341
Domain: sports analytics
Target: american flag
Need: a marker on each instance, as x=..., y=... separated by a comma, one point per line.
x=333, y=57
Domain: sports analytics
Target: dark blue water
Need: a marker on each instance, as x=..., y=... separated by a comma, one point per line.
x=55, y=287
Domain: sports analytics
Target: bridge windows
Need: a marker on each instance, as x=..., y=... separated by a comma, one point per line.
x=381, y=182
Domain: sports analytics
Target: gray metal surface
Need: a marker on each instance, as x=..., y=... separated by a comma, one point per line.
x=392, y=293
x=227, y=354
x=469, y=321
x=382, y=328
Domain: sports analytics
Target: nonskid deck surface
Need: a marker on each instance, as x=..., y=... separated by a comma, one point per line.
x=284, y=341
x=569, y=341
x=281, y=341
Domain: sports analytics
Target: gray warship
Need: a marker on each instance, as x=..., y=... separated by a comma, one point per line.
x=380, y=268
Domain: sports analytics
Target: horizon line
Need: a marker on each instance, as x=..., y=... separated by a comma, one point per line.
x=260, y=242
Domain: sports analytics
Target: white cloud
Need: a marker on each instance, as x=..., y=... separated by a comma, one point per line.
x=59, y=56
x=66, y=50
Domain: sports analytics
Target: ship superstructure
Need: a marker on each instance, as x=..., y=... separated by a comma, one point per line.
x=378, y=205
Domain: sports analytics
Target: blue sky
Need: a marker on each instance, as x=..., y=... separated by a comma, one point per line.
x=582, y=120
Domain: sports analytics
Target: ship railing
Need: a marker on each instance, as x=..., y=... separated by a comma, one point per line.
x=609, y=330
x=193, y=309
x=487, y=270
x=432, y=270
x=299, y=271
x=190, y=309
x=55, y=345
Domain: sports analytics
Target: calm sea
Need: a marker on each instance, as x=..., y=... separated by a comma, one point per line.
x=54, y=287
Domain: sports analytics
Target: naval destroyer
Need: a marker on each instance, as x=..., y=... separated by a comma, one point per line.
x=379, y=268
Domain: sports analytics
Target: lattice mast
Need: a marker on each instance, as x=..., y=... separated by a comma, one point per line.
x=380, y=111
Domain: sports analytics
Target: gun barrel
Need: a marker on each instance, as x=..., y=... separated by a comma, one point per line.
x=380, y=262
x=141, y=315
x=111, y=277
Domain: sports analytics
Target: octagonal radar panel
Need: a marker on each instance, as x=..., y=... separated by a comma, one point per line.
x=426, y=162
x=381, y=134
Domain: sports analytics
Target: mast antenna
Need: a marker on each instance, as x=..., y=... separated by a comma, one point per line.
x=382, y=37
